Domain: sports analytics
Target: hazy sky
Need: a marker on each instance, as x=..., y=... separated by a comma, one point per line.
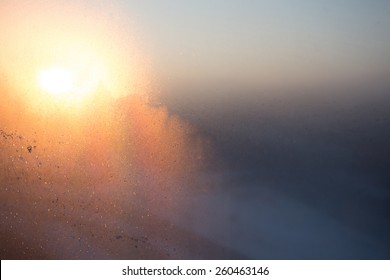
x=205, y=44
x=266, y=43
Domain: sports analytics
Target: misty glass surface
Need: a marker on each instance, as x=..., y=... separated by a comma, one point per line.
x=194, y=129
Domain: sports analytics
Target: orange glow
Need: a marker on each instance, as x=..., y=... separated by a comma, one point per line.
x=77, y=134
x=57, y=55
x=75, y=93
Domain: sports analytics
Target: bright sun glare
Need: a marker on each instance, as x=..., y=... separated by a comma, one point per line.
x=69, y=84
x=56, y=81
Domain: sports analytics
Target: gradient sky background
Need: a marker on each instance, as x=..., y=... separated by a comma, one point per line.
x=265, y=132
x=261, y=45
x=294, y=96
x=266, y=44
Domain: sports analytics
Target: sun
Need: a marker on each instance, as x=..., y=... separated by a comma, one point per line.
x=56, y=81
x=71, y=84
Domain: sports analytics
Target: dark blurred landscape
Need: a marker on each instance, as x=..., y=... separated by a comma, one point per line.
x=327, y=155
x=259, y=177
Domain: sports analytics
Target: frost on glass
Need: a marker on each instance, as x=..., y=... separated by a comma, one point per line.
x=101, y=184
